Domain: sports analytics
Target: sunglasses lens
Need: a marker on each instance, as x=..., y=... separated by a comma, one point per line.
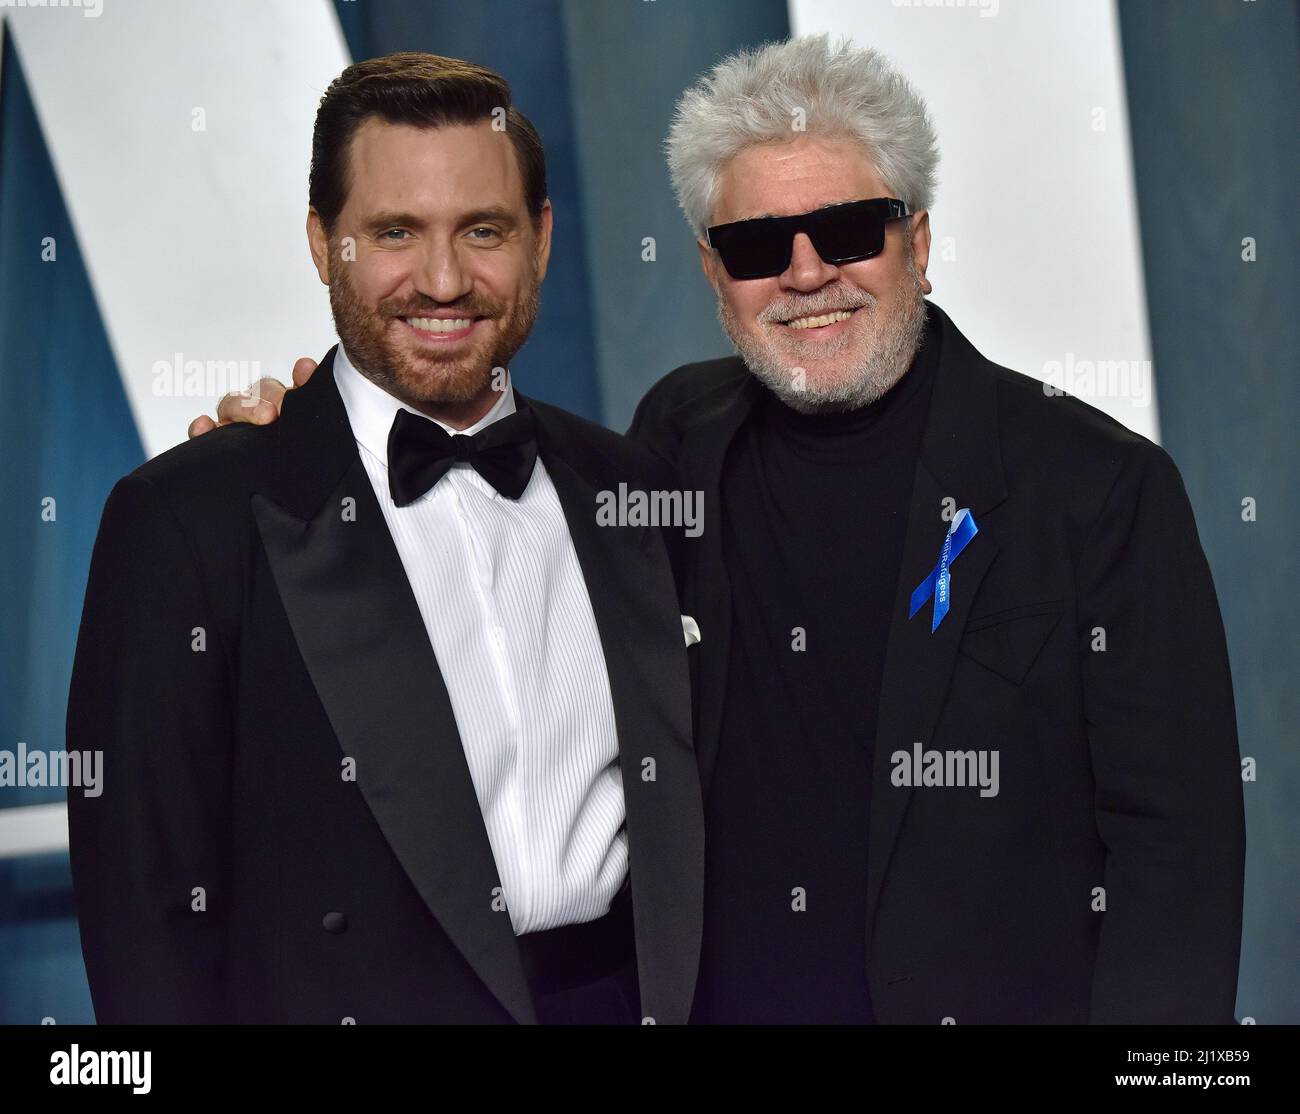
x=754, y=249
x=844, y=233
x=847, y=233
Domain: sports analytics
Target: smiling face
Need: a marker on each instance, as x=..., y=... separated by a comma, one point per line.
x=821, y=336
x=448, y=262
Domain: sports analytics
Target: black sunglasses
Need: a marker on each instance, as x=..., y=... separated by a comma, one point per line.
x=843, y=233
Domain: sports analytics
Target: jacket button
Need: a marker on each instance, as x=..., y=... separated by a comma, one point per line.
x=335, y=923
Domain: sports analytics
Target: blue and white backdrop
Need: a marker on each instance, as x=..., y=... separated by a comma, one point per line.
x=1115, y=215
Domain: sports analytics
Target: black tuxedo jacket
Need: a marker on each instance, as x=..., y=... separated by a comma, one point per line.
x=244, y=632
x=1119, y=769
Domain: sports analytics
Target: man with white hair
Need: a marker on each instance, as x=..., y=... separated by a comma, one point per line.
x=964, y=717
x=963, y=712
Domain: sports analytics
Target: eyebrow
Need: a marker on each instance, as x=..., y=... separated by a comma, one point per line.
x=395, y=219
x=492, y=212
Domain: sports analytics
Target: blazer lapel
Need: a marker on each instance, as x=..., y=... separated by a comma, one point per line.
x=703, y=454
x=960, y=461
x=629, y=581
x=361, y=635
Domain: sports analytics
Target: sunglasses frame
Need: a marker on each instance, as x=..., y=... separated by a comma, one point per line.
x=890, y=207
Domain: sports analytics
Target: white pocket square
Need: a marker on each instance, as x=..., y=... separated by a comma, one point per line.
x=691, y=629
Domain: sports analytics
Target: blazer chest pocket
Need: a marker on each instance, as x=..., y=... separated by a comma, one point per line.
x=1009, y=641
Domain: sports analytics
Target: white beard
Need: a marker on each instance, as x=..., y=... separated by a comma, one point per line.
x=885, y=363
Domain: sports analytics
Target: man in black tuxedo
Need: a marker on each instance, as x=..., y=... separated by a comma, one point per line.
x=962, y=703
x=393, y=731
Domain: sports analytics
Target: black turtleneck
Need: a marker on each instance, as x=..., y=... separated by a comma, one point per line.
x=814, y=511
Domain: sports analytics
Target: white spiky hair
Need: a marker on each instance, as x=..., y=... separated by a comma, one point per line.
x=838, y=89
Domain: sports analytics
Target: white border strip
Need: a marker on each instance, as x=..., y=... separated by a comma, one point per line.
x=1036, y=254
x=180, y=135
x=33, y=830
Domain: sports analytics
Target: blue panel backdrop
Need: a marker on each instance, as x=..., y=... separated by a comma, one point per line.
x=1214, y=95
x=66, y=434
x=1214, y=111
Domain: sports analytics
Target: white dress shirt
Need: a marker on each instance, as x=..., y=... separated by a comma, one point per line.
x=508, y=615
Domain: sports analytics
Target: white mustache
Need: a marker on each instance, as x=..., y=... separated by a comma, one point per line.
x=788, y=312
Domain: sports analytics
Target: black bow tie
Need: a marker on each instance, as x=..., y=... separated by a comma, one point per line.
x=421, y=452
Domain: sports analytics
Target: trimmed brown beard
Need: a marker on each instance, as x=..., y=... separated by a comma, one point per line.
x=428, y=379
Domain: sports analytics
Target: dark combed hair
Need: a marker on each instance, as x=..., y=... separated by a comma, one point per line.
x=425, y=91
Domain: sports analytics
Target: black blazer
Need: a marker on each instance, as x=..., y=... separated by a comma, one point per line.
x=1119, y=768
x=241, y=637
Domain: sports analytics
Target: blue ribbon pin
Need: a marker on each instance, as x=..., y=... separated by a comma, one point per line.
x=961, y=531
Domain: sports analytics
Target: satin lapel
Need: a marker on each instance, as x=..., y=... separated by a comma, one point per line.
x=960, y=466
x=633, y=599
x=361, y=635
x=703, y=454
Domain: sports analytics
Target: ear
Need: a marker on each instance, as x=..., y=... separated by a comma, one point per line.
x=545, y=222
x=921, y=246
x=708, y=263
x=318, y=241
